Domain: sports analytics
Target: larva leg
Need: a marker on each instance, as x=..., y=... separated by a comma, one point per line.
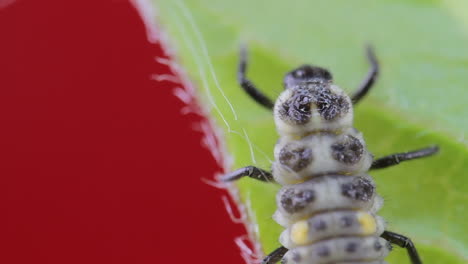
x=395, y=159
x=275, y=256
x=403, y=242
x=250, y=171
x=367, y=83
x=247, y=85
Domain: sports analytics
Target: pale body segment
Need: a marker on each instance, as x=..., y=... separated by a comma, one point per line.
x=318, y=154
x=326, y=225
x=326, y=193
x=328, y=202
x=340, y=250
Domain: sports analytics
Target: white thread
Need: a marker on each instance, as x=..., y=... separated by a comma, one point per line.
x=204, y=80
x=200, y=71
x=199, y=36
x=215, y=146
x=208, y=130
x=252, y=155
x=263, y=154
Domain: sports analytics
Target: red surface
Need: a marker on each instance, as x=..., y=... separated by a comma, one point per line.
x=97, y=165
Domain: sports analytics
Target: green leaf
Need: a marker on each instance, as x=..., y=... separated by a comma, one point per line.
x=419, y=99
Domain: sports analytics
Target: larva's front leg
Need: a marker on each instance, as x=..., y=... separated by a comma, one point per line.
x=395, y=159
x=275, y=256
x=249, y=171
x=403, y=242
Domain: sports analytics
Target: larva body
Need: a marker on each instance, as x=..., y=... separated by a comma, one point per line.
x=328, y=203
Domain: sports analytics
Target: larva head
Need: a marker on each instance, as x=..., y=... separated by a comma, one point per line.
x=310, y=103
x=306, y=74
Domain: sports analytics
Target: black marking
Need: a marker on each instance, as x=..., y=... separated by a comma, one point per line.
x=377, y=245
x=347, y=221
x=348, y=150
x=295, y=159
x=306, y=74
x=323, y=251
x=296, y=109
x=293, y=200
x=359, y=189
x=351, y=247
x=275, y=256
x=319, y=225
x=284, y=261
x=296, y=257
x=330, y=105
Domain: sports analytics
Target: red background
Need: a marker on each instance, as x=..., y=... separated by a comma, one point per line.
x=97, y=164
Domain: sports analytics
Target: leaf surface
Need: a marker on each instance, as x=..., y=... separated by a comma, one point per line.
x=419, y=99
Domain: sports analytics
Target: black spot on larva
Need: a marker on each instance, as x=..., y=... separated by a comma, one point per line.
x=359, y=189
x=319, y=225
x=347, y=221
x=323, y=251
x=351, y=247
x=329, y=104
x=296, y=257
x=377, y=245
x=295, y=158
x=296, y=109
x=349, y=150
x=293, y=200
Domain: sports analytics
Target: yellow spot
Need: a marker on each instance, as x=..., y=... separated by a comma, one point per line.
x=296, y=137
x=367, y=222
x=296, y=181
x=300, y=233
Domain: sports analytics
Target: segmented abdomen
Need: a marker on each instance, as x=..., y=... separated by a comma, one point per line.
x=330, y=215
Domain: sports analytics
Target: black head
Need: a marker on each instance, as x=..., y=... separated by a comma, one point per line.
x=306, y=74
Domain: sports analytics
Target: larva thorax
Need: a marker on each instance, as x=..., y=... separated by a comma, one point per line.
x=311, y=103
x=328, y=203
x=320, y=153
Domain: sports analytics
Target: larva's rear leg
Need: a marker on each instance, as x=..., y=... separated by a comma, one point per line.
x=275, y=256
x=403, y=242
x=247, y=85
x=395, y=159
x=249, y=171
x=367, y=83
